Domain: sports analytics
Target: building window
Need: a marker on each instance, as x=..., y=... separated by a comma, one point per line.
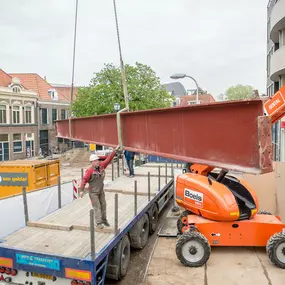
x=16, y=115
x=193, y=102
x=30, y=145
x=28, y=114
x=282, y=37
x=54, y=116
x=44, y=117
x=282, y=80
x=53, y=94
x=269, y=55
x=4, y=138
x=17, y=143
x=63, y=114
x=29, y=136
x=270, y=90
x=3, y=114
x=4, y=147
x=16, y=89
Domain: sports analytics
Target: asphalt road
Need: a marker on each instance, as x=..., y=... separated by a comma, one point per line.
x=140, y=259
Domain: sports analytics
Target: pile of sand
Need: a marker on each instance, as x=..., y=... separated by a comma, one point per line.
x=75, y=155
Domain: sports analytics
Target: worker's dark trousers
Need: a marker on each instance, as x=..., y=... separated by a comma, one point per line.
x=99, y=205
x=131, y=166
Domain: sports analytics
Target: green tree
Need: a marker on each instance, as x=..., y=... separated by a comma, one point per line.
x=239, y=92
x=106, y=89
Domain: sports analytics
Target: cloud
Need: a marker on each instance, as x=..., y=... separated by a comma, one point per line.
x=220, y=43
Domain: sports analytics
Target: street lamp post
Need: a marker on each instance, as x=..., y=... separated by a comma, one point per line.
x=182, y=75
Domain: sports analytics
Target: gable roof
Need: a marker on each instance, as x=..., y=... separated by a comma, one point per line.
x=5, y=79
x=36, y=83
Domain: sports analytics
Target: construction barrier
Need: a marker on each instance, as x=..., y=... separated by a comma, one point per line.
x=75, y=189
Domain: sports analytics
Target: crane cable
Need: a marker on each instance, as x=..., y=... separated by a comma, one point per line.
x=126, y=96
x=73, y=68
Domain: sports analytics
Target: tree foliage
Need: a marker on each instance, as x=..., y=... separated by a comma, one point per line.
x=106, y=89
x=239, y=92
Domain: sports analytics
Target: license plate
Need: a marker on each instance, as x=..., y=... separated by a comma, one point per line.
x=43, y=276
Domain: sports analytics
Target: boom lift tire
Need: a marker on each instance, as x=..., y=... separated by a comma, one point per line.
x=275, y=249
x=193, y=249
x=139, y=233
x=263, y=212
x=119, y=259
x=180, y=224
x=153, y=218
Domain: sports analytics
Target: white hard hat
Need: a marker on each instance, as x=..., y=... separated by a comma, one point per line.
x=93, y=157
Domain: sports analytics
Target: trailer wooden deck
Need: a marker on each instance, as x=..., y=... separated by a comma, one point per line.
x=67, y=231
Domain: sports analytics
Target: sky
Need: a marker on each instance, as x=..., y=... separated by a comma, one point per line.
x=220, y=43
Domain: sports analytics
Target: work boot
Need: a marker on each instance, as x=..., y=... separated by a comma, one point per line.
x=99, y=226
x=106, y=223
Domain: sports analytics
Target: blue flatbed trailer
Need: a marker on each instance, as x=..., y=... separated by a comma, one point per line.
x=31, y=267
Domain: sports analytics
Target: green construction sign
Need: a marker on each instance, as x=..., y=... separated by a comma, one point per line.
x=14, y=179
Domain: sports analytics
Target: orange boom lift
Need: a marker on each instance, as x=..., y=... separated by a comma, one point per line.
x=222, y=210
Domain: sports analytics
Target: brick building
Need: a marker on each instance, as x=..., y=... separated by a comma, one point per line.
x=52, y=106
x=29, y=107
x=18, y=119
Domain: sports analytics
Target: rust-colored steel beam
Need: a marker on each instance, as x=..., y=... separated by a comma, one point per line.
x=233, y=135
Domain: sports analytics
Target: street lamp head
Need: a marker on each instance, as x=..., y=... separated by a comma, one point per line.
x=178, y=76
x=117, y=107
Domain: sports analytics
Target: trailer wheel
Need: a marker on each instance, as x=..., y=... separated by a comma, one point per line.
x=275, y=249
x=193, y=249
x=119, y=259
x=153, y=218
x=139, y=233
x=180, y=224
x=263, y=212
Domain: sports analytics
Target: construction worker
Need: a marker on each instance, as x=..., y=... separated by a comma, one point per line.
x=95, y=176
x=130, y=156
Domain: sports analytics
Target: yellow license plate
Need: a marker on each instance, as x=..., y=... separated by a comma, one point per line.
x=43, y=276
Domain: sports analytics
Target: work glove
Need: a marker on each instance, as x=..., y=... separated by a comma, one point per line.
x=81, y=193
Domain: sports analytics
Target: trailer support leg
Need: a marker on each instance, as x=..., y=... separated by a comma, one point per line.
x=116, y=214
x=158, y=178
x=148, y=185
x=118, y=167
x=59, y=193
x=92, y=234
x=113, y=176
x=26, y=212
x=136, y=197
